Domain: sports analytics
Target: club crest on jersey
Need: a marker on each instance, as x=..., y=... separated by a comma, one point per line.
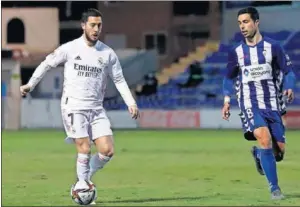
x=246, y=72
x=101, y=62
x=287, y=57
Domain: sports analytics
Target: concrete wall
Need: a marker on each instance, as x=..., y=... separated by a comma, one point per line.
x=41, y=28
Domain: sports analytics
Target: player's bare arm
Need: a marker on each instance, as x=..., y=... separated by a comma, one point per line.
x=289, y=93
x=226, y=108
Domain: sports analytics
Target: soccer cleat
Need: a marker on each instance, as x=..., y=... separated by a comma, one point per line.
x=277, y=195
x=257, y=161
x=94, y=201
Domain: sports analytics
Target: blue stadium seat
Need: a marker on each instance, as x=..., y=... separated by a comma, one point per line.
x=223, y=48
x=279, y=36
x=294, y=42
x=217, y=57
x=170, y=96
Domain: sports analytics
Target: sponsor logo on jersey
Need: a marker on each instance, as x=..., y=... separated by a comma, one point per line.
x=88, y=71
x=246, y=72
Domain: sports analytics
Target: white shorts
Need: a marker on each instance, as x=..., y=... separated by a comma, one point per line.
x=85, y=123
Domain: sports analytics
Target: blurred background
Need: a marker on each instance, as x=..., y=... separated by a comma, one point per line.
x=173, y=55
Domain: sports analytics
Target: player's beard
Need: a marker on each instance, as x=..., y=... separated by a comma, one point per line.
x=253, y=34
x=89, y=39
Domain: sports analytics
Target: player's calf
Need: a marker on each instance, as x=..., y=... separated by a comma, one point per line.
x=263, y=137
x=267, y=158
x=83, y=158
x=105, y=145
x=105, y=148
x=83, y=145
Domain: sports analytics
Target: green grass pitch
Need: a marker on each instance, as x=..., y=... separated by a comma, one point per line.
x=150, y=168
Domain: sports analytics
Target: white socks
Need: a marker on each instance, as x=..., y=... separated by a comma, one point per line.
x=97, y=162
x=82, y=166
x=87, y=167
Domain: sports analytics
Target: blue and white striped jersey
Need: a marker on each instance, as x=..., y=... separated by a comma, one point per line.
x=259, y=71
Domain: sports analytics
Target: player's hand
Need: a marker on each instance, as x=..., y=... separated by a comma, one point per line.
x=290, y=95
x=134, y=111
x=226, y=111
x=24, y=89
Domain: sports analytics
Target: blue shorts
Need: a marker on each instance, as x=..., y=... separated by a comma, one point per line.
x=255, y=118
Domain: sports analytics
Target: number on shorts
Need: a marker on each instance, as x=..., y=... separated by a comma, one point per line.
x=249, y=113
x=72, y=118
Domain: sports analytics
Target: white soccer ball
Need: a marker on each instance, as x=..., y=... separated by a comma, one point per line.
x=83, y=192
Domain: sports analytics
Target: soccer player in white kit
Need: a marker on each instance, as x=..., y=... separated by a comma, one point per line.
x=88, y=63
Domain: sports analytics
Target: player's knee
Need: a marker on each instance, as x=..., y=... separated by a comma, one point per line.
x=265, y=142
x=105, y=145
x=83, y=146
x=85, y=149
x=263, y=137
x=107, y=151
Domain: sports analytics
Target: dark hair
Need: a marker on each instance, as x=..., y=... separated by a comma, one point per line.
x=254, y=15
x=90, y=13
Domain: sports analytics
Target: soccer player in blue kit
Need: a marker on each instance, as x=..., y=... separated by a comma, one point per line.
x=265, y=74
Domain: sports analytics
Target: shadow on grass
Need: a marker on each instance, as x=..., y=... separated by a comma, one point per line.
x=293, y=195
x=143, y=200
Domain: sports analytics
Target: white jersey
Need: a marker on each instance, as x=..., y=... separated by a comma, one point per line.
x=86, y=70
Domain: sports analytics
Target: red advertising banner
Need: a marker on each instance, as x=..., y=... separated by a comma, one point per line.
x=169, y=119
x=293, y=119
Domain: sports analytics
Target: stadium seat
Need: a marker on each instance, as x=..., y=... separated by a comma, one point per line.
x=209, y=92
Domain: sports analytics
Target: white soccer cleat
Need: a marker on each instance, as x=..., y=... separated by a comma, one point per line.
x=94, y=201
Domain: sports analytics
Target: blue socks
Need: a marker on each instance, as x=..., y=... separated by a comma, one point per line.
x=268, y=164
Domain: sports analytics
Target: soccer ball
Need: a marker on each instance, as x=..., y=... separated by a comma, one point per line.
x=83, y=192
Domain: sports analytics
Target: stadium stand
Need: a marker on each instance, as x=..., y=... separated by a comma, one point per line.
x=208, y=93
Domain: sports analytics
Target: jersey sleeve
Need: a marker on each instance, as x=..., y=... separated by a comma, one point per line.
x=232, y=65
x=115, y=71
x=116, y=74
x=51, y=61
x=228, y=85
x=285, y=65
x=57, y=57
x=283, y=60
x=231, y=74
